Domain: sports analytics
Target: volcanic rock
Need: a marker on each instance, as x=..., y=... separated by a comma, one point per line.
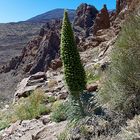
x=92, y=87
x=102, y=20
x=30, y=84
x=84, y=19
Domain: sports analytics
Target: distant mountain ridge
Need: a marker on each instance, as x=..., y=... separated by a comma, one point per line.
x=53, y=14
x=15, y=35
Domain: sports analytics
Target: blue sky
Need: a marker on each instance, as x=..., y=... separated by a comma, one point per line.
x=20, y=10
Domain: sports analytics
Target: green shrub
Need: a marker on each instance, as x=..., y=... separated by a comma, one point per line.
x=92, y=77
x=73, y=69
x=6, y=117
x=51, y=99
x=32, y=106
x=121, y=86
x=63, y=135
x=26, y=108
x=4, y=123
x=59, y=111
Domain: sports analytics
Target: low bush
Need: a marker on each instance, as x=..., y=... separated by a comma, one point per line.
x=32, y=106
x=91, y=76
x=51, y=99
x=26, y=108
x=59, y=111
x=63, y=135
x=121, y=86
x=4, y=123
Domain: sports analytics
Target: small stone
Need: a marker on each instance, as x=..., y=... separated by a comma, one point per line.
x=62, y=96
x=55, y=64
x=92, y=87
x=45, y=119
x=6, y=106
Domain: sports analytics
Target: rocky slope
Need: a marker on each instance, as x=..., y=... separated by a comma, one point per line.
x=42, y=54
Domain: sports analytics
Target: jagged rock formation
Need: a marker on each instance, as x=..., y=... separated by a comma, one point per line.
x=14, y=36
x=120, y=4
x=39, y=52
x=84, y=19
x=85, y=14
x=102, y=20
x=130, y=5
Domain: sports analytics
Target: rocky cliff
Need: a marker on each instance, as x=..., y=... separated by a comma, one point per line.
x=14, y=36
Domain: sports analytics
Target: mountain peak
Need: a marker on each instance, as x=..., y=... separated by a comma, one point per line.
x=55, y=13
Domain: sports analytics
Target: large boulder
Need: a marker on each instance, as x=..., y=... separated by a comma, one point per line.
x=92, y=87
x=30, y=84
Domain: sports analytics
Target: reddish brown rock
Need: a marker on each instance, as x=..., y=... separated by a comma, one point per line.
x=92, y=87
x=102, y=20
x=85, y=15
x=120, y=4
x=84, y=19
x=130, y=5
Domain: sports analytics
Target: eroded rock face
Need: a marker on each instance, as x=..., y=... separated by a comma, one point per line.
x=47, y=52
x=44, y=48
x=84, y=19
x=120, y=4
x=102, y=20
x=39, y=52
x=85, y=14
x=131, y=5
